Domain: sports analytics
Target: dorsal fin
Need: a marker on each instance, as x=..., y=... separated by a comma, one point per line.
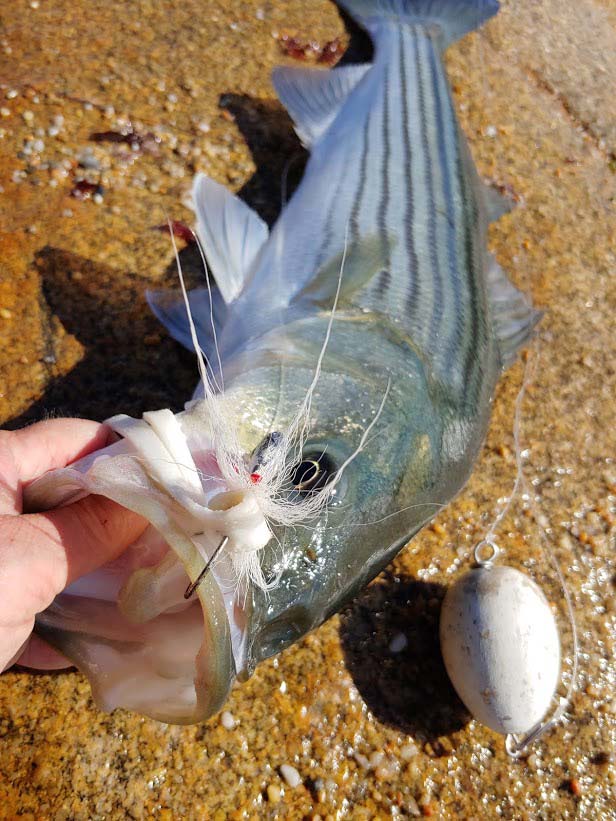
x=231, y=233
x=514, y=318
x=313, y=97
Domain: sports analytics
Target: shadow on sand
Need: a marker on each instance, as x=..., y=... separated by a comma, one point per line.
x=129, y=366
x=409, y=689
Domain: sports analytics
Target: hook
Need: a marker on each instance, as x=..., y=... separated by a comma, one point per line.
x=194, y=585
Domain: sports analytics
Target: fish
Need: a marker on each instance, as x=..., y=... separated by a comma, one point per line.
x=348, y=359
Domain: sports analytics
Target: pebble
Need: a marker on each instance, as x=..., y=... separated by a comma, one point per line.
x=5, y=112
x=408, y=751
x=398, y=643
x=412, y=807
x=376, y=758
x=387, y=770
x=97, y=198
x=274, y=793
x=290, y=775
x=362, y=760
x=27, y=116
x=11, y=94
x=227, y=720
x=86, y=159
x=5, y=313
x=574, y=787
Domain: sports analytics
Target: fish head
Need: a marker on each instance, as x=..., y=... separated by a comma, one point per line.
x=369, y=448
x=335, y=463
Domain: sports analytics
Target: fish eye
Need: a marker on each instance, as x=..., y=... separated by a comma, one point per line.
x=313, y=472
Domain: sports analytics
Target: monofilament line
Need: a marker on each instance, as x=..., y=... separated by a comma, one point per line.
x=515, y=746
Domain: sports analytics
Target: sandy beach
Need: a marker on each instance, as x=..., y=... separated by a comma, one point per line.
x=107, y=110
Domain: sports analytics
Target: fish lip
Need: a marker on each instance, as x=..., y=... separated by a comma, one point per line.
x=215, y=668
x=214, y=665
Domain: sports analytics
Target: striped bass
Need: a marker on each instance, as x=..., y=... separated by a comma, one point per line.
x=352, y=354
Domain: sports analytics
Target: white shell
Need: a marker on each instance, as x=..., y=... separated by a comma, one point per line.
x=500, y=645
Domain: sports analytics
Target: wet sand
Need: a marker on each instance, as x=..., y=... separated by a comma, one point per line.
x=373, y=733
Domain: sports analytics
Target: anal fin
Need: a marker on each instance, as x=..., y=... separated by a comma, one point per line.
x=514, y=318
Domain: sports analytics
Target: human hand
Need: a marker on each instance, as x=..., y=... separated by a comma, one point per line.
x=40, y=553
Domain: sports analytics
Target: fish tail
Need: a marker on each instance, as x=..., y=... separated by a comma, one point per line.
x=455, y=18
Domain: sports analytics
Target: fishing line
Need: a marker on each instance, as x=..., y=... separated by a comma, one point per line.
x=221, y=385
x=193, y=331
x=487, y=550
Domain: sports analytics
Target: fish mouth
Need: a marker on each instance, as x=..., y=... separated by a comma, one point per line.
x=142, y=646
x=128, y=626
x=176, y=667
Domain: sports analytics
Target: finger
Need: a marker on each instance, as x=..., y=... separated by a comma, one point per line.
x=40, y=553
x=39, y=655
x=54, y=443
x=27, y=453
x=10, y=486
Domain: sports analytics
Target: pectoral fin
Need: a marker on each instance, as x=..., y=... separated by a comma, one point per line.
x=208, y=312
x=353, y=269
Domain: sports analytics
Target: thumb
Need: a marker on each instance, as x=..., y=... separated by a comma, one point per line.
x=40, y=553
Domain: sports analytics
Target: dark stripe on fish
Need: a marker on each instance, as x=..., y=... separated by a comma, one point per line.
x=437, y=311
x=455, y=339
x=385, y=276
x=412, y=300
x=361, y=188
x=474, y=340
